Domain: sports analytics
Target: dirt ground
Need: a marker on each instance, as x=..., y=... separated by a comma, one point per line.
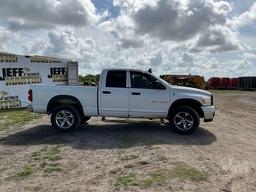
x=128, y=155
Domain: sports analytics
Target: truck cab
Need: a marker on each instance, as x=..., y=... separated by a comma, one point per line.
x=133, y=93
x=124, y=93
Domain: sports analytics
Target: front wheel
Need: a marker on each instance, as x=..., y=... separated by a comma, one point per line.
x=65, y=118
x=184, y=120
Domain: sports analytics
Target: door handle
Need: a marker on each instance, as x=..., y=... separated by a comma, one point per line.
x=136, y=93
x=106, y=92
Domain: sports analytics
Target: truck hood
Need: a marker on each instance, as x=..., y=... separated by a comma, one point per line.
x=181, y=89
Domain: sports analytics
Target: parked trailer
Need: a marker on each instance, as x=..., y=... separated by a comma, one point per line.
x=213, y=83
x=224, y=83
x=247, y=83
x=233, y=83
x=243, y=83
x=18, y=72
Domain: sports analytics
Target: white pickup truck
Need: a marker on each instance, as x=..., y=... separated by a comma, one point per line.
x=123, y=93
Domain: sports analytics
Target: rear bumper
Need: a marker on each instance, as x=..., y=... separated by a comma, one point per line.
x=209, y=113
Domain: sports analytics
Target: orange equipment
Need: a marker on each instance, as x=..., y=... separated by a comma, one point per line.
x=195, y=81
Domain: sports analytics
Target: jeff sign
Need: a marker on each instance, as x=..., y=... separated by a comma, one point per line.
x=11, y=72
x=18, y=72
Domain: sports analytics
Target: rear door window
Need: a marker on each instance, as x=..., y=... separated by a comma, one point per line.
x=116, y=79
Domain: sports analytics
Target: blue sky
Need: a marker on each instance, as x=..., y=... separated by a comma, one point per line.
x=102, y=5
x=204, y=37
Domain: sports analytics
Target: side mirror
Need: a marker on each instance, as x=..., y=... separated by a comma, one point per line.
x=150, y=70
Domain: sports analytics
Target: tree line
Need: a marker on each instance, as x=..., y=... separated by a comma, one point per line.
x=89, y=79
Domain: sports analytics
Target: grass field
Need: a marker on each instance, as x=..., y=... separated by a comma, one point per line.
x=15, y=118
x=132, y=155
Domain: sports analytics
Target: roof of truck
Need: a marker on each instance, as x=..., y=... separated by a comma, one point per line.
x=124, y=69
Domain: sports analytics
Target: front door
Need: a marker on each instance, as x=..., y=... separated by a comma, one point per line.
x=148, y=96
x=114, y=96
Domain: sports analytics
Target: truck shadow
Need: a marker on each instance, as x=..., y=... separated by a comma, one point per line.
x=112, y=136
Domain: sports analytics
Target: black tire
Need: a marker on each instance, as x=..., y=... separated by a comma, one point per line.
x=72, y=118
x=85, y=119
x=183, y=125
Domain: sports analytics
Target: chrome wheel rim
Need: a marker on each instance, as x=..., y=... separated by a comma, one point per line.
x=183, y=121
x=64, y=119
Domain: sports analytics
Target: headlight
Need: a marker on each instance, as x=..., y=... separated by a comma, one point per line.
x=206, y=100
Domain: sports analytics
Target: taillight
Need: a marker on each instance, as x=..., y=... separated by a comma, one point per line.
x=30, y=95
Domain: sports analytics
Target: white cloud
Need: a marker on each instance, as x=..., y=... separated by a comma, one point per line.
x=200, y=23
x=218, y=39
x=246, y=18
x=5, y=38
x=130, y=42
x=123, y=29
x=152, y=60
x=64, y=43
x=36, y=14
x=169, y=36
x=249, y=55
x=101, y=50
x=173, y=19
x=35, y=48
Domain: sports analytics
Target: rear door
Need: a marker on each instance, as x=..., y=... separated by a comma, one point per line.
x=148, y=96
x=114, y=95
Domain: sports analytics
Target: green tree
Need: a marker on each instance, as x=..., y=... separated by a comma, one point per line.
x=89, y=79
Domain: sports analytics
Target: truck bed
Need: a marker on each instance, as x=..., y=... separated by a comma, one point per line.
x=87, y=95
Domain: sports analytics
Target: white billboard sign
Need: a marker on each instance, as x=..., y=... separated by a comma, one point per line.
x=18, y=72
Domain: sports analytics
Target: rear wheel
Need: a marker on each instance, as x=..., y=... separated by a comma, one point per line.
x=184, y=120
x=65, y=118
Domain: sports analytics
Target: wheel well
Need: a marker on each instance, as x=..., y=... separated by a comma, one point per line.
x=65, y=100
x=196, y=105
